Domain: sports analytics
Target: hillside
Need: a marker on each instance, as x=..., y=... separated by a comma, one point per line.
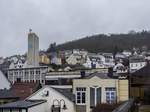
x=105, y=43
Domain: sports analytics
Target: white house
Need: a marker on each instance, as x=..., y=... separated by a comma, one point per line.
x=75, y=59
x=109, y=60
x=4, y=83
x=136, y=63
x=127, y=53
x=56, y=99
x=56, y=60
x=18, y=64
x=104, y=60
x=94, y=61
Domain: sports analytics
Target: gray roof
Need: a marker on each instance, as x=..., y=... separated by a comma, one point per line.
x=67, y=93
x=100, y=75
x=7, y=94
x=23, y=104
x=136, y=59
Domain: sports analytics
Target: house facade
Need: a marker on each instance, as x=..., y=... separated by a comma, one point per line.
x=28, y=74
x=99, y=60
x=136, y=63
x=98, y=88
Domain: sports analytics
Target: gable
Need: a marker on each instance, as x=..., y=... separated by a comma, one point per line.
x=48, y=93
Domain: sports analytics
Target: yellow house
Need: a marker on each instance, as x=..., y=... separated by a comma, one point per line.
x=99, y=88
x=44, y=59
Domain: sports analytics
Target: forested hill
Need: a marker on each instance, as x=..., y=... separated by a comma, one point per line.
x=107, y=43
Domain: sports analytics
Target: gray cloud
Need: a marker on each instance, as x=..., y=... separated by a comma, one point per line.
x=64, y=20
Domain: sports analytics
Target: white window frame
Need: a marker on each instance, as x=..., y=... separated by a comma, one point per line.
x=112, y=90
x=81, y=90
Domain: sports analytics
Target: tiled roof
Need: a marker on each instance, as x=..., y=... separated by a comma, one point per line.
x=22, y=104
x=24, y=89
x=7, y=94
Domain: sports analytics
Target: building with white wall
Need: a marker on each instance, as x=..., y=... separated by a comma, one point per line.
x=136, y=63
x=28, y=74
x=98, y=88
x=57, y=99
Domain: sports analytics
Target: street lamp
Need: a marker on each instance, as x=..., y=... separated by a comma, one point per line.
x=57, y=105
x=64, y=105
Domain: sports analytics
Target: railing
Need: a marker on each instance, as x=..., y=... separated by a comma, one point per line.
x=128, y=106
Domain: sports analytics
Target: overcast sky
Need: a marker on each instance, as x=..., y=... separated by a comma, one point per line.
x=64, y=20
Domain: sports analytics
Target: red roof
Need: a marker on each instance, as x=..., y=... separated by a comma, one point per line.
x=24, y=89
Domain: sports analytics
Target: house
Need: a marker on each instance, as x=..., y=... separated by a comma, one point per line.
x=56, y=60
x=109, y=59
x=4, y=83
x=101, y=60
x=24, y=106
x=98, y=88
x=127, y=53
x=18, y=64
x=43, y=58
x=119, y=56
x=136, y=63
x=75, y=59
x=140, y=84
x=57, y=99
x=94, y=61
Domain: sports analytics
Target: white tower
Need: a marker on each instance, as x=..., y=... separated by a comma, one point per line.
x=33, y=49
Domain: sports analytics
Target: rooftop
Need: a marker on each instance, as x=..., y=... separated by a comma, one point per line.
x=100, y=75
x=66, y=93
x=23, y=104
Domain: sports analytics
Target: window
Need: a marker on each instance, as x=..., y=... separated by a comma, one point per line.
x=80, y=95
x=95, y=96
x=19, y=80
x=110, y=95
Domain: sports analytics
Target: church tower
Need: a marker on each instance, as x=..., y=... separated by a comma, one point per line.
x=33, y=49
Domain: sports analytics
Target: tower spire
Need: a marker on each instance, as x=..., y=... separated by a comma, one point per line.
x=30, y=30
